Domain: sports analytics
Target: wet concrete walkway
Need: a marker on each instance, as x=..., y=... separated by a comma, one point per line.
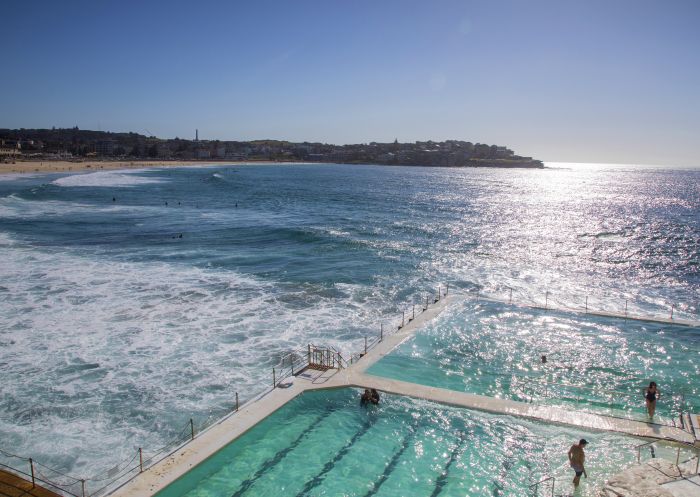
x=547, y=414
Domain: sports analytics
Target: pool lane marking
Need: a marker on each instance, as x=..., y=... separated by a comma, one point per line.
x=318, y=479
x=274, y=460
x=441, y=480
x=407, y=442
x=509, y=460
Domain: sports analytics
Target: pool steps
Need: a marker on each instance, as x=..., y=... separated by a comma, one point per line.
x=209, y=441
x=11, y=485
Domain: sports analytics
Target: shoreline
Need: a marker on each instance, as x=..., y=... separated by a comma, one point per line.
x=44, y=167
x=63, y=166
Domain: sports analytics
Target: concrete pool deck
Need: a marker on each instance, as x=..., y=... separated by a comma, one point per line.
x=214, y=438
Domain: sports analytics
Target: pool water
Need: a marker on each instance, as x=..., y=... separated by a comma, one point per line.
x=325, y=444
x=593, y=363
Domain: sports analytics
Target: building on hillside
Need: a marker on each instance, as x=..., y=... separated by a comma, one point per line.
x=164, y=151
x=104, y=148
x=10, y=148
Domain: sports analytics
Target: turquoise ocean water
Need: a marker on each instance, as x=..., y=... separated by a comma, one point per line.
x=134, y=300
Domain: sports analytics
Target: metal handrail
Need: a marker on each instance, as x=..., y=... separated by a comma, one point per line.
x=342, y=362
x=588, y=309
x=679, y=445
x=537, y=485
x=293, y=353
x=639, y=448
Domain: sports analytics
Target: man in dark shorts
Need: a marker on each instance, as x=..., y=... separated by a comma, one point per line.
x=576, y=460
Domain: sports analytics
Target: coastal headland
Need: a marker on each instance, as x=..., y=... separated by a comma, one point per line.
x=72, y=149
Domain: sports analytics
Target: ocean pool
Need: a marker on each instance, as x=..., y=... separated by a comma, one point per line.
x=593, y=363
x=325, y=444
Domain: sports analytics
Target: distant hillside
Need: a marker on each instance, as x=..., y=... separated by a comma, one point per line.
x=74, y=143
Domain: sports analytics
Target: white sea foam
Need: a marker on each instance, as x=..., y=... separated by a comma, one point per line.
x=124, y=352
x=15, y=207
x=6, y=240
x=16, y=176
x=114, y=179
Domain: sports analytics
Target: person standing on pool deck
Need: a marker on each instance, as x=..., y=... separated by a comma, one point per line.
x=576, y=459
x=650, y=395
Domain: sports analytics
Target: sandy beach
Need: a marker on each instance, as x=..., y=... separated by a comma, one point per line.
x=21, y=167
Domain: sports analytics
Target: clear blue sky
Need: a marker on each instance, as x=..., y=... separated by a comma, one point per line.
x=588, y=81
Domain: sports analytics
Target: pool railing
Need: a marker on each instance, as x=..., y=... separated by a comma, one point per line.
x=547, y=483
x=611, y=308
x=678, y=453
x=536, y=390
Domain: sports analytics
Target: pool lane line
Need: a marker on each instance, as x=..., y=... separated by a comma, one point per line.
x=277, y=458
x=318, y=479
x=508, y=462
x=408, y=440
x=441, y=480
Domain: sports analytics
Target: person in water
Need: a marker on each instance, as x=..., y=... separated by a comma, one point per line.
x=374, y=397
x=650, y=395
x=366, y=397
x=577, y=457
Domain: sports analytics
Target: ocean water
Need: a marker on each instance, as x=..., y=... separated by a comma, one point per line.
x=325, y=444
x=132, y=301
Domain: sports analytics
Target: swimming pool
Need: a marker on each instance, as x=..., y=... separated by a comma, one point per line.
x=324, y=443
x=593, y=363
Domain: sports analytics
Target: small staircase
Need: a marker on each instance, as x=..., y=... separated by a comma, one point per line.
x=323, y=358
x=11, y=485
